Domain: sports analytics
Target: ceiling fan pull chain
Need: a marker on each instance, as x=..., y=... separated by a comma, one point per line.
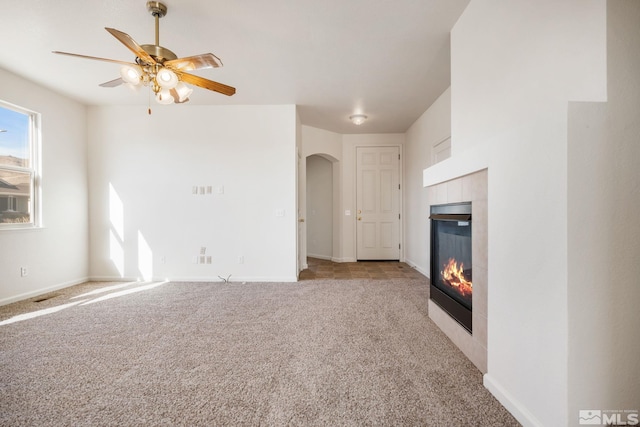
x=149, y=100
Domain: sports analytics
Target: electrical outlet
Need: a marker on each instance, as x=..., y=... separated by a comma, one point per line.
x=208, y=259
x=24, y=272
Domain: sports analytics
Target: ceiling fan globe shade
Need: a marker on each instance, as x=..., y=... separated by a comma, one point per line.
x=166, y=79
x=131, y=74
x=183, y=92
x=164, y=97
x=358, y=119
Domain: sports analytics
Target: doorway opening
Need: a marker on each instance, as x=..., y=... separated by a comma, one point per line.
x=320, y=210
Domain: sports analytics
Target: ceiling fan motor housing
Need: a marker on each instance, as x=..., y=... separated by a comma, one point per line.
x=159, y=53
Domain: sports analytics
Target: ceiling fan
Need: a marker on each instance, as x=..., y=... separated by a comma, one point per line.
x=159, y=68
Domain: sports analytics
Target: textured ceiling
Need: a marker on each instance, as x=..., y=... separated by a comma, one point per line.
x=386, y=59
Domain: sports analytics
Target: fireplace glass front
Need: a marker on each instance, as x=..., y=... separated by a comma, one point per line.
x=451, y=267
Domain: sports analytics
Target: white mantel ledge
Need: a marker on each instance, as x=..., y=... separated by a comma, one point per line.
x=456, y=166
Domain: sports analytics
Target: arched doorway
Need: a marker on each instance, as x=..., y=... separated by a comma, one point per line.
x=319, y=207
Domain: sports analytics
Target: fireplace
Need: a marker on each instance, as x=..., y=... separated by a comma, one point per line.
x=451, y=267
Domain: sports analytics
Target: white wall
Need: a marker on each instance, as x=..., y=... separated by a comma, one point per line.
x=432, y=127
x=515, y=66
x=319, y=207
x=247, y=154
x=603, y=229
x=55, y=255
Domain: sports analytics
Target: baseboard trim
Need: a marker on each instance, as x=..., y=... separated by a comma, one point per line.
x=324, y=257
x=118, y=279
x=42, y=291
x=512, y=405
x=418, y=268
x=344, y=260
x=233, y=279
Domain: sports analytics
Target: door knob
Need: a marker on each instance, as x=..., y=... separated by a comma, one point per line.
x=301, y=220
x=359, y=218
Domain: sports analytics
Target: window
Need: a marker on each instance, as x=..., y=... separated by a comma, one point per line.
x=19, y=167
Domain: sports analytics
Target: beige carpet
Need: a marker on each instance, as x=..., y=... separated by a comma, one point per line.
x=323, y=352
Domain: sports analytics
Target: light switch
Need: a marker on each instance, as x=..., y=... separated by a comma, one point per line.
x=347, y=213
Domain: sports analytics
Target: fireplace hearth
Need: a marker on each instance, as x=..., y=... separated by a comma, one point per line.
x=451, y=266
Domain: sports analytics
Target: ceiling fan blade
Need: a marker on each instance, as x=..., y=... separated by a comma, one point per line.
x=94, y=58
x=197, y=62
x=130, y=43
x=112, y=83
x=207, y=84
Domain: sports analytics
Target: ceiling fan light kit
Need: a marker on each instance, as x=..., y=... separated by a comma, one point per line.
x=159, y=68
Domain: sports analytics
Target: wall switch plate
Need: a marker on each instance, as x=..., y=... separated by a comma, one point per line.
x=347, y=213
x=24, y=272
x=279, y=212
x=241, y=259
x=220, y=189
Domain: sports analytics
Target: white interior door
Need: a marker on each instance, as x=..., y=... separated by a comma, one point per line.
x=378, y=203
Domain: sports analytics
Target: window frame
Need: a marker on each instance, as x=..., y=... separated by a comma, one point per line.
x=34, y=169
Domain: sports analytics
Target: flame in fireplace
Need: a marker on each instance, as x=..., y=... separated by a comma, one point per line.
x=454, y=277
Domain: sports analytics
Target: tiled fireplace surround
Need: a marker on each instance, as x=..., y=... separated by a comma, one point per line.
x=469, y=188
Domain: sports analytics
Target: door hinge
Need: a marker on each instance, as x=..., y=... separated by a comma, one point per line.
x=398, y=156
x=399, y=246
x=398, y=216
x=398, y=186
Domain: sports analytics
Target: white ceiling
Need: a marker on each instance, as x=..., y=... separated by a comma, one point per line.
x=388, y=59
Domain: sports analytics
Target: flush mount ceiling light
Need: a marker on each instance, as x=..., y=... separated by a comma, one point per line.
x=159, y=68
x=358, y=119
